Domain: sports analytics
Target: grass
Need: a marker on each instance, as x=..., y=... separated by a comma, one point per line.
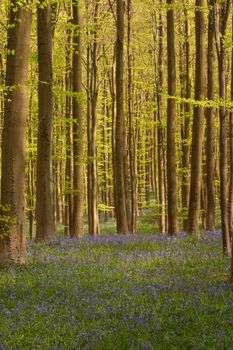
x=115, y=292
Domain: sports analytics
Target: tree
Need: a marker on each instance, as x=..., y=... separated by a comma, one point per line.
x=171, y=124
x=77, y=224
x=210, y=127
x=68, y=126
x=132, y=221
x=12, y=229
x=222, y=11
x=185, y=129
x=231, y=158
x=45, y=226
x=122, y=223
x=159, y=79
x=231, y=151
x=198, y=118
x=92, y=87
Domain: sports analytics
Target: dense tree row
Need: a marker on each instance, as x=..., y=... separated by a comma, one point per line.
x=109, y=108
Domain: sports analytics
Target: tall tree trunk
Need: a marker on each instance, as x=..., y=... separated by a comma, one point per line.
x=197, y=133
x=12, y=231
x=160, y=130
x=132, y=145
x=69, y=153
x=186, y=125
x=173, y=226
x=147, y=168
x=112, y=87
x=104, y=153
x=89, y=179
x=45, y=226
x=221, y=18
x=2, y=80
x=122, y=223
x=231, y=164
x=231, y=154
x=31, y=173
x=93, y=214
x=77, y=222
x=210, y=127
x=127, y=179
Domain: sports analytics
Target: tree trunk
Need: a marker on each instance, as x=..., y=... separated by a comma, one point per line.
x=122, y=223
x=89, y=181
x=198, y=119
x=132, y=145
x=12, y=231
x=210, y=127
x=221, y=19
x=69, y=154
x=231, y=165
x=186, y=124
x=31, y=174
x=173, y=226
x=92, y=86
x=2, y=80
x=112, y=88
x=231, y=153
x=78, y=179
x=160, y=130
x=45, y=226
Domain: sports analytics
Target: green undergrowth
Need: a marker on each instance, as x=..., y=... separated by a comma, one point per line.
x=144, y=225
x=115, y=292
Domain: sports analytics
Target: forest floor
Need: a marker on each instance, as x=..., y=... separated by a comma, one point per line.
x=119, y=292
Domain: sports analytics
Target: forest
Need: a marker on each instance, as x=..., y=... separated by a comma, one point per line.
x=116, y=128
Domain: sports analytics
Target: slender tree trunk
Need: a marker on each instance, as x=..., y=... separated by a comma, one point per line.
x=2, y=80
x=110, y=193
x=132, y=145
x=112, y=88
x=231, y=155
x=122, y=223
x=59, y=192
x=78, y=179
x=94, y=223
x=127, y=179
x=203, y=204
x=32, y=193
x=126, y=161
x=186, y=125
x=231, y=165
x=104, y=153
x=210, y=127
x=31, y=177
x=221, y=19
x=198, y=119
x=68, y=166
x=173, y=226
x=223, y=159
x=147, y=164
x=160, y=130
x=45, y=226
x=93, y=214
x=12, y=231
x=147, y=168
x=89, y=178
